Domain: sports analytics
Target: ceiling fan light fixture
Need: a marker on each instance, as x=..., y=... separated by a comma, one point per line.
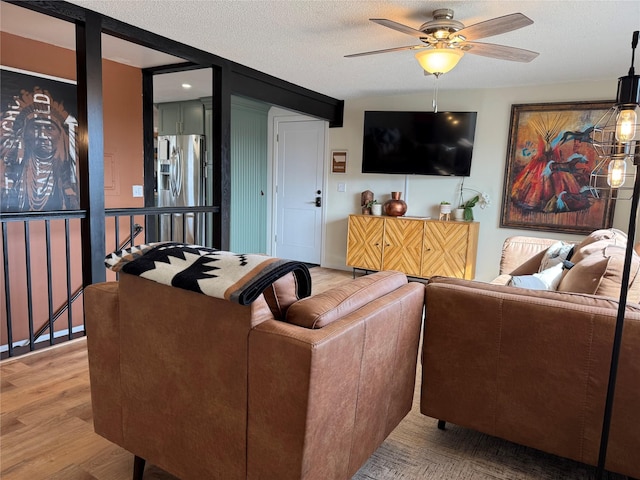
x=439, y=60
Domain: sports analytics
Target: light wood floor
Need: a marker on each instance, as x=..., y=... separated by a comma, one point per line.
x=46, y=429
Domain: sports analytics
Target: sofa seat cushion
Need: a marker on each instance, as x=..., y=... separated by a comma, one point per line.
x=598, y=266
x=503, y=279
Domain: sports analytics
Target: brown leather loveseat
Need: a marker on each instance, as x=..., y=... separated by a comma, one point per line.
x=532, y=366
x=206, y=388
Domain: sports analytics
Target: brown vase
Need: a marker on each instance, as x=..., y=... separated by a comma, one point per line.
x=395, y=207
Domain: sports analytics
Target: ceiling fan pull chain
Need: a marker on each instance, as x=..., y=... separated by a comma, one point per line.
x=435, y=93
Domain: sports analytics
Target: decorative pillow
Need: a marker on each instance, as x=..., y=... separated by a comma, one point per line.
x=527, y=281
x=598, y=269
x=555, y=254
x=585, y=276
x=607, y=236
x=546, y=280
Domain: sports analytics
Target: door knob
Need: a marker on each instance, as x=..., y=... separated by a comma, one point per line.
x=318, y=201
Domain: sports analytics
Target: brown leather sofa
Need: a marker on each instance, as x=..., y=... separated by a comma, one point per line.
x=532, y=366
x=206, y=388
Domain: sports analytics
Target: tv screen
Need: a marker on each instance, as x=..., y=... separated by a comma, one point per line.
x=418, y=143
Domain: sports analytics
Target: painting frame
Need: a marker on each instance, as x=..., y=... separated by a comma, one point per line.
x=550, y=157
x=38, y=136
x=339, y=161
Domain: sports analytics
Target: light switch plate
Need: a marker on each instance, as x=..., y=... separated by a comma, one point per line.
x=137, y=191
x=342, y=187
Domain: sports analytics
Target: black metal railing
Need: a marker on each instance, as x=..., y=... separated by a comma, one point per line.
x=42, y=265
x=37, y=247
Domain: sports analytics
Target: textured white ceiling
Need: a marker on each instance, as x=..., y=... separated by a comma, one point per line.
x=304, y=41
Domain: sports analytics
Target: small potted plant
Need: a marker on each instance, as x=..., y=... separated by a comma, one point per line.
x=376, y=208
x=468, y=208
x=445, y=208
x=465, y=211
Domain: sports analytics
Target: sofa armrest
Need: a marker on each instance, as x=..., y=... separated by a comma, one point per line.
x=102, y=320
x=340, y=389
x=522, y=255
x=326, y=307
x=530, y=367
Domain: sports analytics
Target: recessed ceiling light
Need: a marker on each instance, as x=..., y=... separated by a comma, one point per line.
x=186, y=86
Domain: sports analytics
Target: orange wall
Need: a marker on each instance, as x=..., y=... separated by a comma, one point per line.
x=122, y=104
x=123, y=147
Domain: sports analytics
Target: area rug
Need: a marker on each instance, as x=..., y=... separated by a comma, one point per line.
x=417, y=450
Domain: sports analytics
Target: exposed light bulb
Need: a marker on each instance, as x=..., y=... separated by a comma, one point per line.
x=626, y=125
x=616, y=173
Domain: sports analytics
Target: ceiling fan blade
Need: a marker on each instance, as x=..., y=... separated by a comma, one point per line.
x=374, y=52
x=495, y=26
x=499, y=51
x=399, y=27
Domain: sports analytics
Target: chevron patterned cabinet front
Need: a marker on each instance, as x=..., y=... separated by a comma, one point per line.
x=418, y=247
x=364, y=242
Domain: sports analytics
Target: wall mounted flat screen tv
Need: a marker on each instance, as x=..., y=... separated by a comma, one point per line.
x=418, y=143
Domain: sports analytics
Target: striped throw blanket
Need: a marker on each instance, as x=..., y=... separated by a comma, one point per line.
x=239, y=278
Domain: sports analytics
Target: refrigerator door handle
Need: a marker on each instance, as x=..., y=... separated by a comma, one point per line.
x=175, y=179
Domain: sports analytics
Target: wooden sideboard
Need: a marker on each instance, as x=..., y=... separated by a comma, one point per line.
x=416, y=246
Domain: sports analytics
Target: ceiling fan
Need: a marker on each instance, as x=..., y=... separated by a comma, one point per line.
x=445, y=40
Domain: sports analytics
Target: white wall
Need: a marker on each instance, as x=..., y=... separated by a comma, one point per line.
x=424, y=193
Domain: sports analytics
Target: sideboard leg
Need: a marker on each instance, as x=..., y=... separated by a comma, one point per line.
x=441, y=424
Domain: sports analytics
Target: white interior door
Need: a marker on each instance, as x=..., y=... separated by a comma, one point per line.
x=299, y=196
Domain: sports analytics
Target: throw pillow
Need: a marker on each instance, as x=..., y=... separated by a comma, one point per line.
x=585, y=276
x=546, y=280
x=527, y=281
x=555, y=254
x=607, y=236
x=598, y=270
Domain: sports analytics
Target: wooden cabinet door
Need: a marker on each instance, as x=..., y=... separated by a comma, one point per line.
x=168, y=118
x=403, y=245
x=181, y=118
x=192, y=118
x=364, y=242
x=445, y=249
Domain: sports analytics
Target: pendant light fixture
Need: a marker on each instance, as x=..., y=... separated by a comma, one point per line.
x=616, y=138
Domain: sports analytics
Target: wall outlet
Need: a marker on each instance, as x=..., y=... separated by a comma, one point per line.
x=137, y=191
x=342, y=187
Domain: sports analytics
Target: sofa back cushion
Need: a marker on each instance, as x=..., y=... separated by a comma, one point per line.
x=598, y=266
x=327, y=307
x=585, y=300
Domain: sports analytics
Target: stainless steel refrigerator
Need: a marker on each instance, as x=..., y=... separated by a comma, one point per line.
x=180, y=174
